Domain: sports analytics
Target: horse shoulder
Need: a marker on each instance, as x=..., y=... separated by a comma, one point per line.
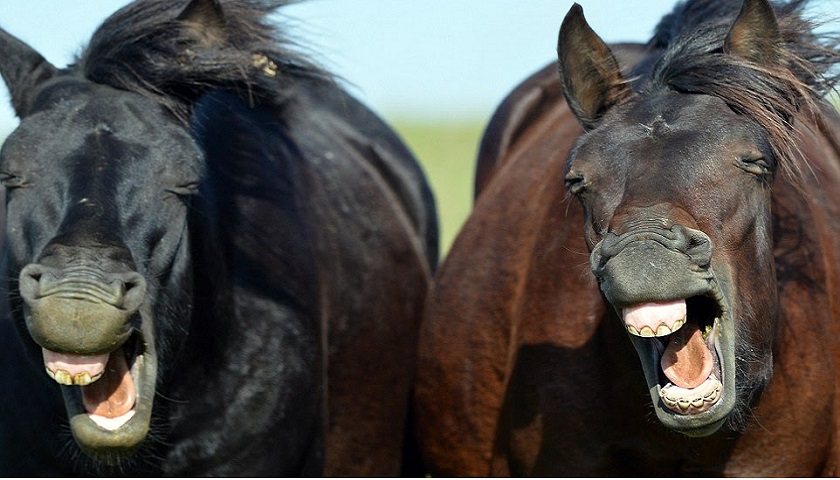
x=485, y=306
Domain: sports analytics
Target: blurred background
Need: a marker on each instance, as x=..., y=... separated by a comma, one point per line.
x=435, y=69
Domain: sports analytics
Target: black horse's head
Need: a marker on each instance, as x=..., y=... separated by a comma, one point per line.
x=674, y=174
x=98, y=184
x=101, y=181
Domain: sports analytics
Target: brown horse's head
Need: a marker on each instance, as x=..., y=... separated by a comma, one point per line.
x=674, y=174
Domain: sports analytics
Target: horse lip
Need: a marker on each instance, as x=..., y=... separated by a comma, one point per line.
x=112, y=446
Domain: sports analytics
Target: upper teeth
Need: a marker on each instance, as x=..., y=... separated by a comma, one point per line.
x=63, y=377
x=661, y=331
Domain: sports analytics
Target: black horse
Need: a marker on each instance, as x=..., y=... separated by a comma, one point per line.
x=218, y=253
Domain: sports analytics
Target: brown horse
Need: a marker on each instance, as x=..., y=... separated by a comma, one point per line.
x=648, y=282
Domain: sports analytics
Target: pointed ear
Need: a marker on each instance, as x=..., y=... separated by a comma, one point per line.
x=24, y=70
x=755, y=34
x=205, y=22
x=591, y=76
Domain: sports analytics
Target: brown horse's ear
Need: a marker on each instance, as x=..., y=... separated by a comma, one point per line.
x=24, y=70
x=591, y=76
x=755, y=34
x=205, y=22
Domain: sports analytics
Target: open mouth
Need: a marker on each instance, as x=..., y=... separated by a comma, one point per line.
x=681, y=340
x=108, y=397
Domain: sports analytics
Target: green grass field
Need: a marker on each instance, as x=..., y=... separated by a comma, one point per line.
x=447, y=152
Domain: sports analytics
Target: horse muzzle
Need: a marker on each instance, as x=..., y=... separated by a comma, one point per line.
x=661, y=284
x=88, y=324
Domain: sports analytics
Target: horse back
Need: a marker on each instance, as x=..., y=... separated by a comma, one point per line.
x=376, y=239
x=482, y=307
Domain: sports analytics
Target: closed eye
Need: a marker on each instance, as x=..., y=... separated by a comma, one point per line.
x=755, y=165
x=186, y=190
x=11, y=181
x=575, y=183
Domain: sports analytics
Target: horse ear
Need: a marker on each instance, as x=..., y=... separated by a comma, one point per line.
x=24, y=70
x=755, y=34
x=205, y=22
x=589, y=72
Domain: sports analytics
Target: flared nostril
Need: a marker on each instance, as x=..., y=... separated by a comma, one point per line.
x=610, y=245
x=698, y=247
x=134, y=291
x=30, y=280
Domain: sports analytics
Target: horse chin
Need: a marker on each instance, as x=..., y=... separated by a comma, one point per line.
x=706, y=415
x=112, y=441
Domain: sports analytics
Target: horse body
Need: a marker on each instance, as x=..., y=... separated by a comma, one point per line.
x=237, y=254
x=526, y=363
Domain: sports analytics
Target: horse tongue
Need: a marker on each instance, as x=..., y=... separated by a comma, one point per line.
x=113, y=394
x=687, y=361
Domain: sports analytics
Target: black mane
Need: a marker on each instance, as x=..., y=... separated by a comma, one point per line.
x=150, y=48
x=692, y=60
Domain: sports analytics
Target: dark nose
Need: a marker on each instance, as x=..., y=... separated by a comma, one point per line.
x=652, y=264
x=693, y=243
x=124, y=290
x=80, y=309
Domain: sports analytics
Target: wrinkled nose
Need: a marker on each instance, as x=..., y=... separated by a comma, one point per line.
x=79, y=309
x=693, y=243
x=652, y=264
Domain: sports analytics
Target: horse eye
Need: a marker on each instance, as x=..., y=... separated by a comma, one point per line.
x=756, y=166
x=186, y=190
x=575, y=183
x=11, y=181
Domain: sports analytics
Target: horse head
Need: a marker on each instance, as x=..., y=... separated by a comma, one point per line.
x=99, y=182
x=674, y=176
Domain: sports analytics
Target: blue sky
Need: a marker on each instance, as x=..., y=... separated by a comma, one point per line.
x=441, y=59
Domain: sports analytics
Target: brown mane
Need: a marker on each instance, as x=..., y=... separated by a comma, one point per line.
x=694, y=61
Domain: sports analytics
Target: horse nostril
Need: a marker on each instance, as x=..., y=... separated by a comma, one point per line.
x=29, y=281
x=698, y=247
x=134, y=286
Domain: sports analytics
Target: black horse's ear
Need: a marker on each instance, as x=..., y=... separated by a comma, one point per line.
x=591, y=76
x=755, y=34
x=205, y=22
x=24, y=70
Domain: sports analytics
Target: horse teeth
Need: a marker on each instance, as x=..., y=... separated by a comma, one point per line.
x=677, y=398
x=662, y=330
x=712, y=396
x=84, y=378
x=647, y=332
x=63, y=377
